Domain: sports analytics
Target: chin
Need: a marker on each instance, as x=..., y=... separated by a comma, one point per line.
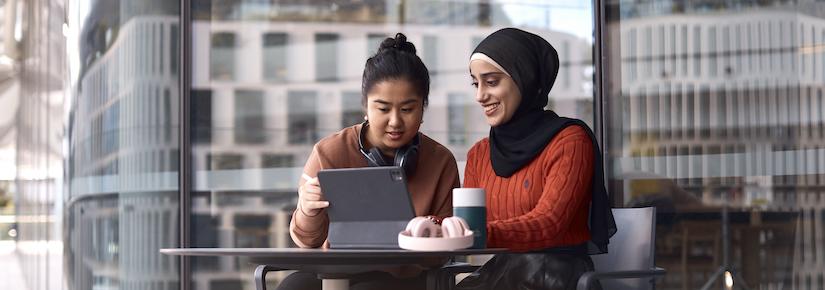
x=494, y=121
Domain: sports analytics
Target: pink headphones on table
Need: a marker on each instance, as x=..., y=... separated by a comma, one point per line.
x=423, y=234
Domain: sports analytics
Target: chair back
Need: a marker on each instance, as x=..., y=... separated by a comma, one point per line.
x=631, y=248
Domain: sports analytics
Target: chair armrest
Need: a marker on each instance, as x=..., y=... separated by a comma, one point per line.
x=586, y=280
x=260, y=275
x=444, y=278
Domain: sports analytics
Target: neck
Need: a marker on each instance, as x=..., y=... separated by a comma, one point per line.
x=370, y=141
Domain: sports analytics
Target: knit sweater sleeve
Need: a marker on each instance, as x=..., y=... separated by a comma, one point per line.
x=470, y=174
x=569, y=167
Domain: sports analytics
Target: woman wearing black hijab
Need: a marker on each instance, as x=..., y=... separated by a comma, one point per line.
x=542, y=173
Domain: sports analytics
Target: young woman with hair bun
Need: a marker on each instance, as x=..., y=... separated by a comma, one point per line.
x=395, y=87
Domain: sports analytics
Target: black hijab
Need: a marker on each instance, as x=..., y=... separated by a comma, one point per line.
x=533, y=64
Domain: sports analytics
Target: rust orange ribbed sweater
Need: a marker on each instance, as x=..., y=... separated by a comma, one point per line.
x=545, y=203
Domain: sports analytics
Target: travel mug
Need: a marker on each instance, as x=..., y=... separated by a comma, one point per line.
x=470, y=204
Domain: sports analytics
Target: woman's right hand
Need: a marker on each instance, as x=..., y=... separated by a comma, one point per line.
x=310, y=198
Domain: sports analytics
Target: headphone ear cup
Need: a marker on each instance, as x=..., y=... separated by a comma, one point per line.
x=376, y=157
x=453, y=227
x=423, y=227
x=407, y=157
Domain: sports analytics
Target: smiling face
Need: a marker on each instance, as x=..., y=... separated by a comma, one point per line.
x=395, y=112
x=496, y=92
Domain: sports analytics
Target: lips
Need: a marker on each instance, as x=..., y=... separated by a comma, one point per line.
x=490, y=109
x=395, y=136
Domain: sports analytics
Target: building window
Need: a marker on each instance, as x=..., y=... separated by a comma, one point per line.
x=373, y=42
x=275, y=65
x=227, y=161
x=222, y=56
x=457, y=118
x=697, y=51
x=249, y=117
x=201, y=116
x=647, y=39
x=430, y=53
x=302, y=118
x=277, y=160
x=326, y=57
x=712, y=51
x=352, y=111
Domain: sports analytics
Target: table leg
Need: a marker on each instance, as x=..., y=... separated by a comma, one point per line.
x=335, y=284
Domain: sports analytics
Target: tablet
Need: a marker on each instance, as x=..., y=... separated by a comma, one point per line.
x=368, y=206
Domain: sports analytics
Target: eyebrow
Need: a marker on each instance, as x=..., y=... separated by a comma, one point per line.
x=484, y=75
x=408, y=101
x=487, y=74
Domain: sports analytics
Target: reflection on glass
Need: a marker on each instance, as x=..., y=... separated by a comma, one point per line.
x=222, y=56
x=122, y=167
x=275, y=57
x=298, y=79
x=715, y=109
x=326, y=57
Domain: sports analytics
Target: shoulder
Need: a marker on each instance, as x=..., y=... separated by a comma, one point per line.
x=573, y=138
x=435, y=149
x=341, y=142
x=479, y=149
x=571, y=134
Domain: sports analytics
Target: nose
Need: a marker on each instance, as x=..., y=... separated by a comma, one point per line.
x=481, y=95
x=395, y=119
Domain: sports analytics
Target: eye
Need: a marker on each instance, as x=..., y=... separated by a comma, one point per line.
x=492, y=83
x=384, y=109
x=406, y=110
x=474, y=84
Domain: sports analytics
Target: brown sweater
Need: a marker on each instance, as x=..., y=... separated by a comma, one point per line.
x=545, y=203
x=430, y=187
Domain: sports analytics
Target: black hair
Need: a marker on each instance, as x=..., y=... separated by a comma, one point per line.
x=396, y=59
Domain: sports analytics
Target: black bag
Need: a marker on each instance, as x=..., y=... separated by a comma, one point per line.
x=533, y=271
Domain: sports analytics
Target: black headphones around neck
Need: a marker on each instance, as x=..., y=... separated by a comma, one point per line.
x=406, y=157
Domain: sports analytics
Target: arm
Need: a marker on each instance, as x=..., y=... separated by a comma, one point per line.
x=567, y=187
x=308, y=228
x=470, y=180
x=443, y=201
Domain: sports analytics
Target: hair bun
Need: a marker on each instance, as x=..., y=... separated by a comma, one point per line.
x=399, y=43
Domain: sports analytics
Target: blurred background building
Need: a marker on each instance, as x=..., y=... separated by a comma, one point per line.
x=700, y=105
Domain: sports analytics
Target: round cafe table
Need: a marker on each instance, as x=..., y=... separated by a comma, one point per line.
x=335, y=266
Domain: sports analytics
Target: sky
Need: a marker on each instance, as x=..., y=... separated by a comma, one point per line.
x=571, y=16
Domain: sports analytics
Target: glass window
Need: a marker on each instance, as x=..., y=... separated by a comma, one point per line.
x=251, y=139
x=222, y=56
x=275, y=57
x=326, y=57
x=277, y=160
x=458, y=106
x=113, y=187
x=249, y=117
x=302, y=117
x=352, y=110
x=712, y=52
x=734, y=142
x=429, y=46
x=373, y=42
x=201, y=116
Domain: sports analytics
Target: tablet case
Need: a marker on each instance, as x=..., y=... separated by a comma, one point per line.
x=368, y=206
